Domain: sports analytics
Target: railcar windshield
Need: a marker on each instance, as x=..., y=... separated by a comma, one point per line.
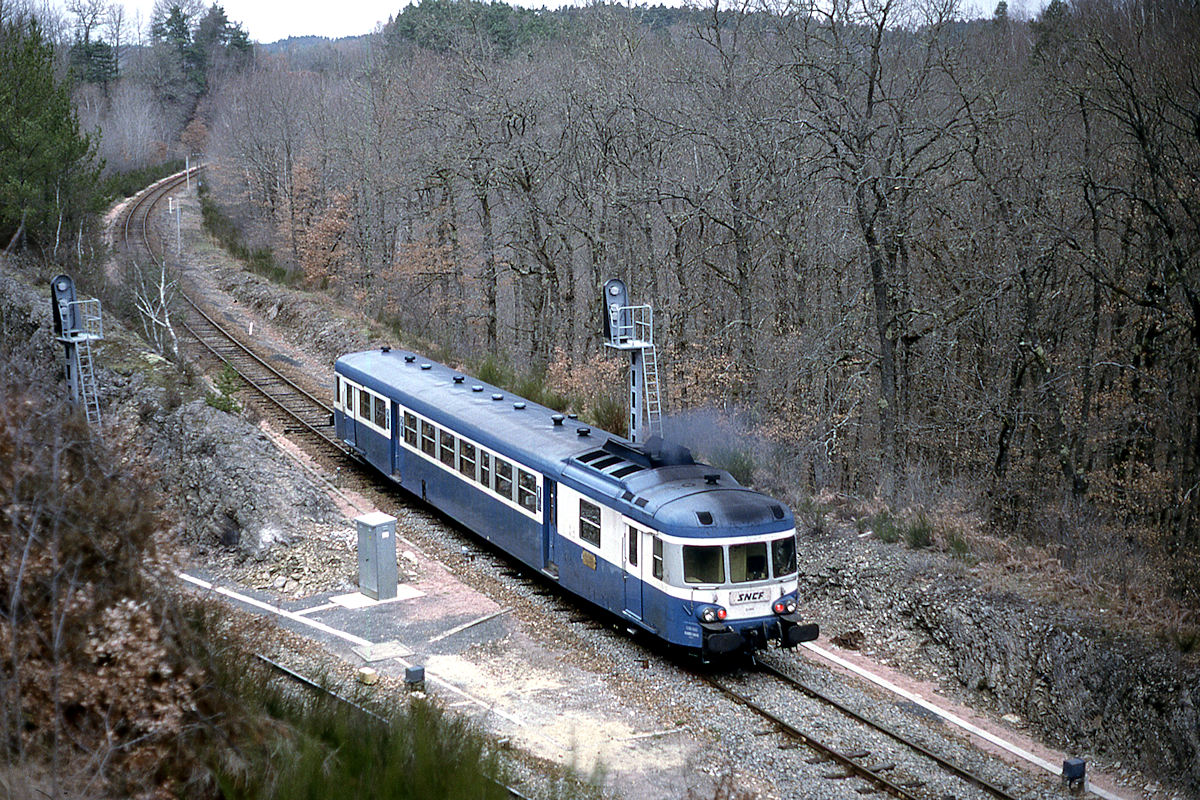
x=703, y=564
x=748, y=562
x=783, y=556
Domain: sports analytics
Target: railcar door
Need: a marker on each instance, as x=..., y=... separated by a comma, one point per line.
x=549, y=527
x=349, y=425
x=631, y=561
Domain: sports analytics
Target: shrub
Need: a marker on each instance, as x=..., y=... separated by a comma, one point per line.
x=259, y=260
x=314, y=746
x=228, y=382
x=885, y=527
x=919, y=532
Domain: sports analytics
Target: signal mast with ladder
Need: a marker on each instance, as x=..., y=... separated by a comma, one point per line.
x=77, y=323
x=631, y=328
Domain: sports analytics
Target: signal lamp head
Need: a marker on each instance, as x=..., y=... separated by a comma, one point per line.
x=710, y=613
x=785, y=605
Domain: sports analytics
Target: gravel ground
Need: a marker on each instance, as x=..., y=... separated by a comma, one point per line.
x=848, y=586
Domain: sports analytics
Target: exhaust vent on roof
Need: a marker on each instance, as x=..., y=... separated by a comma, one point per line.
x=705, y=517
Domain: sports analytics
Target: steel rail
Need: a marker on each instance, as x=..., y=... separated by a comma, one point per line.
x=515, y=794
x=144, y=208
x=942, y=762
x=862, y=771
x=272, y=374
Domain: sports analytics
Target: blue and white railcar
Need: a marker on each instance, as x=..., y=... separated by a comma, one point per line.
x=669, y=545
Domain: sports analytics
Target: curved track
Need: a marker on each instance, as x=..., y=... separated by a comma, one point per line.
x=303, y=414
x=297, y=411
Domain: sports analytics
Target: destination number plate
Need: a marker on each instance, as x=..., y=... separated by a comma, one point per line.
x=748, y=596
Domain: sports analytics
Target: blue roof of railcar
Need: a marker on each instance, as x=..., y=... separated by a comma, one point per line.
x=659, y=484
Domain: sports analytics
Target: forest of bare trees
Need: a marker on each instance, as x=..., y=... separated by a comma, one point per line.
x=924, y=256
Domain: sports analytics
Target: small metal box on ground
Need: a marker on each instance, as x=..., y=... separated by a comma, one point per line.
x=377, y=555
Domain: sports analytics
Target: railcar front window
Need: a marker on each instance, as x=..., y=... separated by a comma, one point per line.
x=703, y=564
x=337, y=390
x=466, y=459
x=783, y=556
x=381, y=420
x=504, y=478
x=748, y=562
x=527, y=490
x=448, y=449
x=410, y=429
x=364, y=405
x=589, y=522
x=428, y=439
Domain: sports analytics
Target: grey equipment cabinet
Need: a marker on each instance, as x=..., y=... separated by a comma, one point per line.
x=377, y=555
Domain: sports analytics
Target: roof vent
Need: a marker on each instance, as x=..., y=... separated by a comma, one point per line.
x=712, y=478
x=705, y=517
x=477, y=388
x=557, y=419
x=385, y=349
x=572, y=416
x=459, y=379
x=777, y=511
x=518, y=406
x=427, y=366
x=584, y=430
x=497, y=397
x=409, y=359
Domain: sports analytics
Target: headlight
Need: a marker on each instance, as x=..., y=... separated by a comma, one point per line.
x=785, y=605
x=710, y=613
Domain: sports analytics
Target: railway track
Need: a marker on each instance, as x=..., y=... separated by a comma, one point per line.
x=880, y=773
x=300, y=414
x=296, y=411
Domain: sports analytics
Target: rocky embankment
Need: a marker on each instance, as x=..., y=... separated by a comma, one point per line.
x=1132, y=702
x=230, y=488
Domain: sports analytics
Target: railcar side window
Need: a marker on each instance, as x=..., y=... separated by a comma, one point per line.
x=485, y=469
x=428, y=439
x=364, y=405
x=348, y=402
x=448, y=449
x=632, y=533
x=748, y=562
x=657, y=558
x=410, y=428
x=381, y=415
x=703, y=564
x=504, y=483
x=527, y=490
x=783, y=556
x=337, y=390
x=466, y=459
x=589, y=522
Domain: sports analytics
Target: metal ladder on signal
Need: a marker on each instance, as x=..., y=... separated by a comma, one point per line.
x=652, y=390
x=87, y=381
